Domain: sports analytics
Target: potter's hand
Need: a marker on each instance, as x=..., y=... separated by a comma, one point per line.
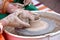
x=30, y=15
x=13, y=20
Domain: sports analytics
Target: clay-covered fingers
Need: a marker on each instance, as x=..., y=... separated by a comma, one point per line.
x=25, y=14
x=37, y=16
x=28, y=15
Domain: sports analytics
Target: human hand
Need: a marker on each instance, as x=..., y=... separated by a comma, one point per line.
x=14, y=21
x=27, y=15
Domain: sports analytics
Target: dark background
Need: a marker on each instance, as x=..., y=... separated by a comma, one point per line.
x=53, y=4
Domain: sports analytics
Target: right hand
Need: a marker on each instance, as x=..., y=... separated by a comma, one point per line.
x=14, y=21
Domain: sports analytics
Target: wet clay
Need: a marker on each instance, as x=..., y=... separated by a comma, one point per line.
x=37, y=25
x=57, y=21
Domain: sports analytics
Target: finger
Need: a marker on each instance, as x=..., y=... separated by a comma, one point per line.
x=31, y=16
x=28, y=15
x=22, y=23
x=37, y=16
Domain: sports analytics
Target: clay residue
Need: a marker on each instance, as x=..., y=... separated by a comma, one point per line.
x=38, y=25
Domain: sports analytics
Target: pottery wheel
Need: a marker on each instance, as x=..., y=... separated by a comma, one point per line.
x=40, y=27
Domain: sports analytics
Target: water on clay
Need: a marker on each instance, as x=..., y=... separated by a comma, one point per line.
x=38, y=27
x=50, y=25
